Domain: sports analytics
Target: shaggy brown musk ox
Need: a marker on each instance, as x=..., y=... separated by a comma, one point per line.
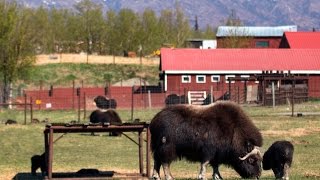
x=220, y=133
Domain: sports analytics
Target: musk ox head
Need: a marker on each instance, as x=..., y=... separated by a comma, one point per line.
x=249, y=165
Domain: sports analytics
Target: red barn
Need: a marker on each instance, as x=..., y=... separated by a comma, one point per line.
x=188, y=71
x=251, y=36
x=300, y=40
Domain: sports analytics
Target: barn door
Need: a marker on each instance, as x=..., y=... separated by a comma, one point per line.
x=196, y=97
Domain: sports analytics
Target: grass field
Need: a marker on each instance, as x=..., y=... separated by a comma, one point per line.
x=75, y=151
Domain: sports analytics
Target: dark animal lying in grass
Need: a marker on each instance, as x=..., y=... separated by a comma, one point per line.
x=104, y=103
x=175, y=99
x=220, y=133
x=10, y=121
x=38, y=161
x=109, y=116
x=279, y=158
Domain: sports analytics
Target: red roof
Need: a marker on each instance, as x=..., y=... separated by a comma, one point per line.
x=303, y=40
x=240, y=60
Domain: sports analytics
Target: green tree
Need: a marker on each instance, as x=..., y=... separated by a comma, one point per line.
x=110, y=39
x=150, y=34
x=88, y=12
x=127, y=26
x=16, y=45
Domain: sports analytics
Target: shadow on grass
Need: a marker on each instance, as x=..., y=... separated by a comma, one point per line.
x=38, y=176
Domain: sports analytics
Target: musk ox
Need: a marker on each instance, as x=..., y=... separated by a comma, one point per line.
x=106, y=116
x=279, y=158
x=220, y=133
x=38, y=161
x=175, y=99
x=104, y=103
x=10, y=121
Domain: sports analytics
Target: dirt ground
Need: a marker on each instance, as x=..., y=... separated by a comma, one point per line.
x=96, y=59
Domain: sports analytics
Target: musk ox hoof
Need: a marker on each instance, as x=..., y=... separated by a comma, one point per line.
x=217, y=177
x=201, y=177
x=155, y=177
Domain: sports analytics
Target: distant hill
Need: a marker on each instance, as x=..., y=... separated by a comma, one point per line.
x=304, y=13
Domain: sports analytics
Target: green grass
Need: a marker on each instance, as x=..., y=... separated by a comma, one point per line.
x=76, y=151
x=62, y=75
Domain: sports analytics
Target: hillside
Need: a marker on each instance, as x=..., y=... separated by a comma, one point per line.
x=62, y=70
x=304, y=13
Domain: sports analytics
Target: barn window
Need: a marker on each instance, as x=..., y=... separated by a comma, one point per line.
x=229, y=76
x=186, y=79
x=201, y=78
x=245, y=76
x=215, y=78
x=262, y=44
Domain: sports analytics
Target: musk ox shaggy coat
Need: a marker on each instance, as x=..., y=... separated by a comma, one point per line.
x=279, y=158
x=107, y=116
x=220, y=133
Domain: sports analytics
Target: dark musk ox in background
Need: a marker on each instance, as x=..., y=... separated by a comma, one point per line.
x=220, y=133
x=173, y=99
x=104, y=103
x=279, y=158
x=38, y=161
x=106, y=116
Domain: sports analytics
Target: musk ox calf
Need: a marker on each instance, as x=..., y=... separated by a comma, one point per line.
x=38, y=161
x=220, y=133
x=279, y=158
x=108, y=116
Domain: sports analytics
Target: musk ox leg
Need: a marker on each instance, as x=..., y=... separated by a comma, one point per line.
x=203, y=168
x=156, y=170
x=286, y=172
x=166, y=170
x=216, y=174
x=277, y=172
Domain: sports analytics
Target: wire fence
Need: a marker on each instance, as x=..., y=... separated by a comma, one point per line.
x=79, y=101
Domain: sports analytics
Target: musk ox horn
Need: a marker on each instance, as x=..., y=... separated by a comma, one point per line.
x=255, y=150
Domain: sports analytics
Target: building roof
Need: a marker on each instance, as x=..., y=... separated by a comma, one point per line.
x=253, y=31
x=304, y=40
x=239, y=61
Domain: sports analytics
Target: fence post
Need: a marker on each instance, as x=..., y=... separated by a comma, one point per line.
x=84, y=105
x=73, y=88
x=78, y=94
x=31, y=109
x=273, y=96
x=149, y=98
x=25, y=109
x=132, y=92
x=211, y=92
x=293, y=87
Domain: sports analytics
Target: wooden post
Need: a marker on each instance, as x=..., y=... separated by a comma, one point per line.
x=140, y=152
x=149, y=99
x=79, y=105
x=132, y=101
x=273, y=96
x=46, y=151
x=50, y=154
x=229, y=89
x=84, y=105
x=73, y=89
x=293, y=91
x=148, y=152
x=31, y=109
x=25, y=109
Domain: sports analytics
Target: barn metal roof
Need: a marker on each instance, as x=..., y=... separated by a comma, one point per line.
x=306, y=40
x=239, y=61
x=254, y=31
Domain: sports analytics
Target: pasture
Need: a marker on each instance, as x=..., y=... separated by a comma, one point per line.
x=76, y=151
